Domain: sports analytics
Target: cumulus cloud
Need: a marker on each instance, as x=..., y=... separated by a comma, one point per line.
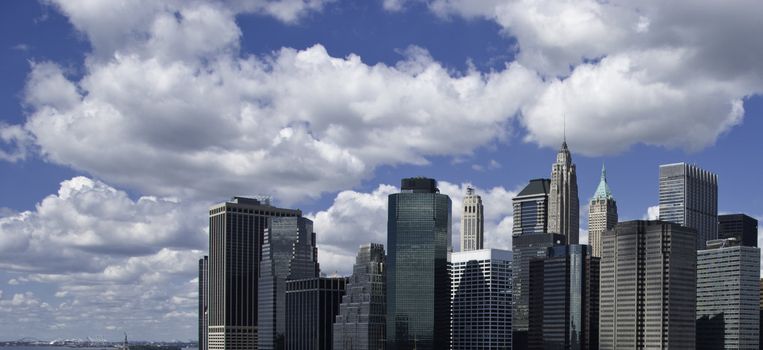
x=652, y=213
x=15, y=142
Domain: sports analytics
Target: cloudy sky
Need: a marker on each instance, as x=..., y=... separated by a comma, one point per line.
x=122, y=121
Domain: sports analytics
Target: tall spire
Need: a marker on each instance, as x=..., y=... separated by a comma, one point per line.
x=564, y=121
x=603, y=191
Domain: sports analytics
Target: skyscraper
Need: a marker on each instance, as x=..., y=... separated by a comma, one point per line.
x=648, y=286
x=418, y=280
x=689, y=197
x=728, y=294
x=531, y=208
x=563, y=203
x=288, y=253
x=739, y=226
x=235, y=240
x=311, y=308
x=564, y=299
x=602, y=213
x=203, y=290
x=472, y=222
x=362, y=322
x=481, y=299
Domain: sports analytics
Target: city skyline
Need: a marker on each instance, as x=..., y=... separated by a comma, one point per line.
x=120, y=126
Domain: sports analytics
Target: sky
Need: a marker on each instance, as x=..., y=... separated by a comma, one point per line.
x=121, y=122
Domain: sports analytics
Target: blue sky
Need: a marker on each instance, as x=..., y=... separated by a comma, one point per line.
x=121, y=122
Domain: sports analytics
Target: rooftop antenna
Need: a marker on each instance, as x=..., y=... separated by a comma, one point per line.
x=565, y=126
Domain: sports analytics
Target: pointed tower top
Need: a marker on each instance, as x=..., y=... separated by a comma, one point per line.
x=603, y=191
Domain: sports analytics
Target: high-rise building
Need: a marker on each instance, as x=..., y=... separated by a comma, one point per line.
x=531, y=208
x=481, y=299
x=564, y=299
x=235, y=240
x=361, y=322
x=648, y=286
x=472, y=222
x=288, y=253
x=563, y=202
x=311, y=308
x=689, y=197
x=602, y=213
x=418, y=280
x=203, y=290
x=728, y=296
x=525, y=248
x=739, y=226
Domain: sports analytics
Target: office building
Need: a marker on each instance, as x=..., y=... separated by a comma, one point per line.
x=524, y=249
x=361, y=322
x=311, y=308
x=472, y=222
x=563, y=202
x=203, y=288
x=689, y=197
x=648, y=286
x=235, y=231
x=564, y=299
x=288, y=253
x=728, y=296
x=739, y=226
x=418, y=280
x=481, y=299
x=531, y=208
x=602, y=213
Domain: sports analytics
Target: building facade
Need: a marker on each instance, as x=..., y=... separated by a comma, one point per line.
x=288, y=253
x=602, y=213
x=563, y=202
x=472, y=222
x=564, y=299
x=531, y=208
x=235, y=241
x=361, y=322
x=689, y=197
x=648, y=286
x=481, y=299
x=311, y=308
x=203, y=290
x=418, y=280
x=739, y=226
x=728, y=296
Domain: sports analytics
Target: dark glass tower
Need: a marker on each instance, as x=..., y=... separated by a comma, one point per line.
x=203, y=290
x=288, y=253
x=311, y=308
x=740, y=227
x=361, y=322
x=235, y=239
x=418, y=281
x=689, y=197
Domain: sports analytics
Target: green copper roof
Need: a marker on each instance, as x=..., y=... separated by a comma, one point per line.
x=603, y=191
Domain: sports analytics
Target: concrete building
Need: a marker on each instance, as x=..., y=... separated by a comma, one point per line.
x=531, y=208
x=472, y=222
x=235, y=231
x=311, y=308
x=602, y=213
x=689, y=197
x=203, y=290
x=418, y=279
x=648, y=286
x=361, y=323
x=288, y=253
x=563, y=202
x=728, y=296
x=481, y=299
x=564, y=299
x=740, y=227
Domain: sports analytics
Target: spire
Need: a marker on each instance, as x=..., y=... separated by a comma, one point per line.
x=603, y=191
x=564, y=141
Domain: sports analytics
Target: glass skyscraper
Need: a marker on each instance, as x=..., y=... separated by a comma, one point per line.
x=740, y=227
x=418, y=280
x=311, y=308
x=689, y=197
x=531, y=208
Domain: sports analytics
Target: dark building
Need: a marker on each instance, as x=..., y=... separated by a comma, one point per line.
x=418, y=280
x=288, y=253
x=648, y=288
x=531, y=208
x=235, y=240
x=564, y=299
x=203, y=290
x=739, y=226
x=689, y=197
x=311, y=308
x=361, y=322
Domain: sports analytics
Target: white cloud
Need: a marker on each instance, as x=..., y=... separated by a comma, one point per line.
x=15, y=142
x=652, y=213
